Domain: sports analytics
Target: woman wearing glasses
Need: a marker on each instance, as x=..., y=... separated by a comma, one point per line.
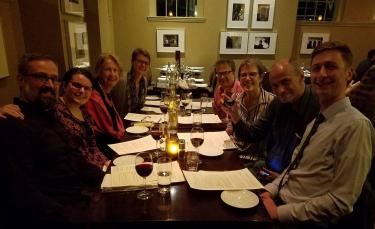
x=130, y=93
x=227, y=85
x=108, y=124
x=253, y=100
x=70, y=111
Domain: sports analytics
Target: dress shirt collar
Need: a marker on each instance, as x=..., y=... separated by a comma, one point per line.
x=336, y=107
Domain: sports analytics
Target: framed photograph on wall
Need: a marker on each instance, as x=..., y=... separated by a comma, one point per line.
x=263, y=11
x=233, y=42
x=72, y=7
x=78, y=44
x=262, y=43
x=4, y=71
x=238, y=14
x=170, y=40
x=311, y=40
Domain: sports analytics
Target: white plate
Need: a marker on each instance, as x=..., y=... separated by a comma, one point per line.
x=196, y=68
x=124, y=160
x=240, y=198
x=152, y=97
x=199, y=80
x=137, y=129
x=211, y=154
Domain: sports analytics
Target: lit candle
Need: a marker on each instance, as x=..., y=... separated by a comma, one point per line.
x=172, y=148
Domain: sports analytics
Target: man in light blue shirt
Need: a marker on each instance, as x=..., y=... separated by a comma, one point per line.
x=326, y=182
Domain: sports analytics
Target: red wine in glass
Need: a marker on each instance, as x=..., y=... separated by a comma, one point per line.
x=144, y=169
x=197, y=142
x=156, y=134
x=185, y=103
x=164, y=109
x=229, y=102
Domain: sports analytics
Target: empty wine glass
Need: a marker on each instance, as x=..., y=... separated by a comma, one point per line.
x=144, y=166
x=197, y=138
x=184, y=101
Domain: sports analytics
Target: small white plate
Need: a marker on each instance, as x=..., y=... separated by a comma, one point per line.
x=240, y=198
x=152, y=97
x=137, y=129
x=196, y=68
x=211, y=154
x=124, y=160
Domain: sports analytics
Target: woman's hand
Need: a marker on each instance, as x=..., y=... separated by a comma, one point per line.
x=231, y=110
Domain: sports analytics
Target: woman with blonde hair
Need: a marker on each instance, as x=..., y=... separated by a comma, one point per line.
x=108, y=124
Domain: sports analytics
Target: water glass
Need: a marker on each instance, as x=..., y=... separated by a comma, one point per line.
x=191, y=160
x=204, y=102
x=164, y=175
x=197, y=118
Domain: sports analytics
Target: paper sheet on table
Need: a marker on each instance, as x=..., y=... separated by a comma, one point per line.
x=143, y=117
x=208, y=103
x=213, y=144
x=222, y=180
x=138, y=145
x=125, y=176
x=200, y=84
x=152, y=103
x=197, y=105
x=206, y=118
x=151, y=109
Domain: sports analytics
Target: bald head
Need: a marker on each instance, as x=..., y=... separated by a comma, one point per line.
x=287, y=81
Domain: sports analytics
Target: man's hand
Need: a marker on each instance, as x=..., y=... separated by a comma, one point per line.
x=11, y=110
x=266, y=175
x=269, y=204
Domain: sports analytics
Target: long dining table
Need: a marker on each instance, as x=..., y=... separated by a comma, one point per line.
x=184, y=205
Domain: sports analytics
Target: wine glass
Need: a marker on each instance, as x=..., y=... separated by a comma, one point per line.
x=143, y=166
x=164, y=107
x=197, y=138
x=228, y=102
x=156, y=133
x=184, y=101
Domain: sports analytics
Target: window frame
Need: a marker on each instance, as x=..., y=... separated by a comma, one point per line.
x=335, y=16
x=198, y=19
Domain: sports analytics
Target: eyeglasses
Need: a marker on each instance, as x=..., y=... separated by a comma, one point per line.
x=225, y=74
x=79, y=86
x=251, y=74
x=43, y=77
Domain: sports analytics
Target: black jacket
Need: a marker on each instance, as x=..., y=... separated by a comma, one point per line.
x=45, y=180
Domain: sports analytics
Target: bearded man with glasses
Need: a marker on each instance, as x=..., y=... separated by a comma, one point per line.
x=45, y=179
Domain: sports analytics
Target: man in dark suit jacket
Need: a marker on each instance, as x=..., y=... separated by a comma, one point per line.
x=44, y=179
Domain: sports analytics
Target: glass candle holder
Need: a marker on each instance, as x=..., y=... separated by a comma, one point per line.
x=172, y=146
